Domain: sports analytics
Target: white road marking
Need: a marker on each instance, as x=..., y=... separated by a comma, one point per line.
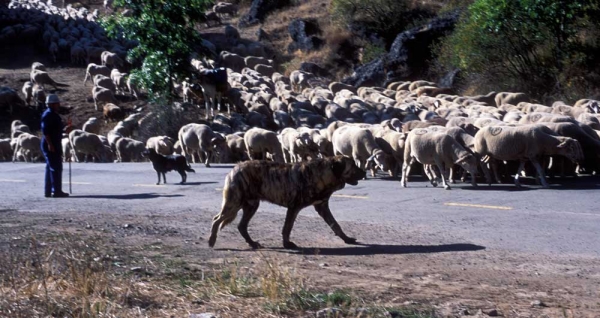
x=148, y=185
x=75, y=182
x=496, y=207
x=12, y=180
x=350, y=196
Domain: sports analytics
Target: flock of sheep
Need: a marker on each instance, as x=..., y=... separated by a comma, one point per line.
x=291, y=119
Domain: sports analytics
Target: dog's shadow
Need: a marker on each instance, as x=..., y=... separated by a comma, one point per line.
x=379, y=249
x=196, y=183
x=126, y=196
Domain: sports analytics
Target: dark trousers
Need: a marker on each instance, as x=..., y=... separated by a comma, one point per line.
x=53, y=172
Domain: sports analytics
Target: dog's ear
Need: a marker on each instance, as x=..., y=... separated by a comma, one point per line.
x=338, y=167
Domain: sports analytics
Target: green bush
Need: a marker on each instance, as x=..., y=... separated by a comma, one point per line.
x=534, y=46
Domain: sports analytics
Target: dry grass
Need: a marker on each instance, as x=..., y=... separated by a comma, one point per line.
x=72, y=276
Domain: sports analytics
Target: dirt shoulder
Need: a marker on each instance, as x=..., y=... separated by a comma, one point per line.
x=441, y=280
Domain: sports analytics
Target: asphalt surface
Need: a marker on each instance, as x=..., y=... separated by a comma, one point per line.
x=563, y=220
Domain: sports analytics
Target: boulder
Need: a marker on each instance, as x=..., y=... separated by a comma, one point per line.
x=304, y=35
x=408, y=55
x=260, y=9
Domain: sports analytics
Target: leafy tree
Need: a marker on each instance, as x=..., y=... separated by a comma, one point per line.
x=164, y=31
x=519, y=43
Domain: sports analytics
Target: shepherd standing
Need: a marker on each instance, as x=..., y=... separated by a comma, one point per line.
x=52, y=128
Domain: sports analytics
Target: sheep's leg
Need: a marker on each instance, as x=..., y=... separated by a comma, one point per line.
x=206, y=106
x=207, y=154
x=521, y=167
x=451, y=176
x=540, y=172
x=440, y=166
x=494, y=165
x=430, y=175
x=405, y=169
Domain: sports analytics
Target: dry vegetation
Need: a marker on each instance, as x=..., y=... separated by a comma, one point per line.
x=65, y=275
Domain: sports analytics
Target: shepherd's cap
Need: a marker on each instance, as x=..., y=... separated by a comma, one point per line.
x=52, y=98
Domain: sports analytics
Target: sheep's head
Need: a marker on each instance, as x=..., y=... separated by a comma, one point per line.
x=378, y=158
x=469, y=163
x=570, y=148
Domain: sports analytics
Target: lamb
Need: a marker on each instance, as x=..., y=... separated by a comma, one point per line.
x=42, y=78
x=510, y=98
x=28, y=92
x=437, y=148
x=104, y=81
x=201, y=139
x=92, y=126
x=392, y=143
x=94, y=69
x=360, y=145
x=88, y=144
x=110, y=59
x=297, y=146
x=299, y=80
x=237, y=146
x=222, y=8
x=524, y=143
x=132, y=88
x=260, y=142
x=118, y=80
x=27, y=144
x=38, y=66
x=102, y=94
x=129, y=150
x=113, y=112
x=161, y=144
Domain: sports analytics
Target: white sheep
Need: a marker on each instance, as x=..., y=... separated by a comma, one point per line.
x=88, y=144
x=92, y=125
x=101, y=94
x=110, y=59
x=359, y=144
x=129, y=150
x=28, y=91
x=437, y=148
x=93, y=69
x=161, y=144
x=297, y=146
x=27, y=144
x=524, y=143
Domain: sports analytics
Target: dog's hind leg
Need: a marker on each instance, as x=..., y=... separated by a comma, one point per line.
x=228, y=213
x=164, y=178
x=290, y=218
x=158, y=174
x=325, y=213
x=249, y=209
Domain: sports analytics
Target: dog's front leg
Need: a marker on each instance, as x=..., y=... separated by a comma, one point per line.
x=158, y=174
x=290, y=218
x=164, y=178
x=325, y=213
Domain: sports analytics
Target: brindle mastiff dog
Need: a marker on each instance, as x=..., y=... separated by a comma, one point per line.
x=294, y=186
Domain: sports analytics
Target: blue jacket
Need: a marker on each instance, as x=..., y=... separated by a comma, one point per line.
x=52, y=126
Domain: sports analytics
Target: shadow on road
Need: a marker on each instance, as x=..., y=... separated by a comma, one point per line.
x=222, y=166
x=376, y=249
x=196, y=183
x=126, y=196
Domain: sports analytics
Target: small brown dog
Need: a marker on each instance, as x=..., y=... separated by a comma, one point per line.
x=294, y=186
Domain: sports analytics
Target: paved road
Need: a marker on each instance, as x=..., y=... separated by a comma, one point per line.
x=563, y=220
